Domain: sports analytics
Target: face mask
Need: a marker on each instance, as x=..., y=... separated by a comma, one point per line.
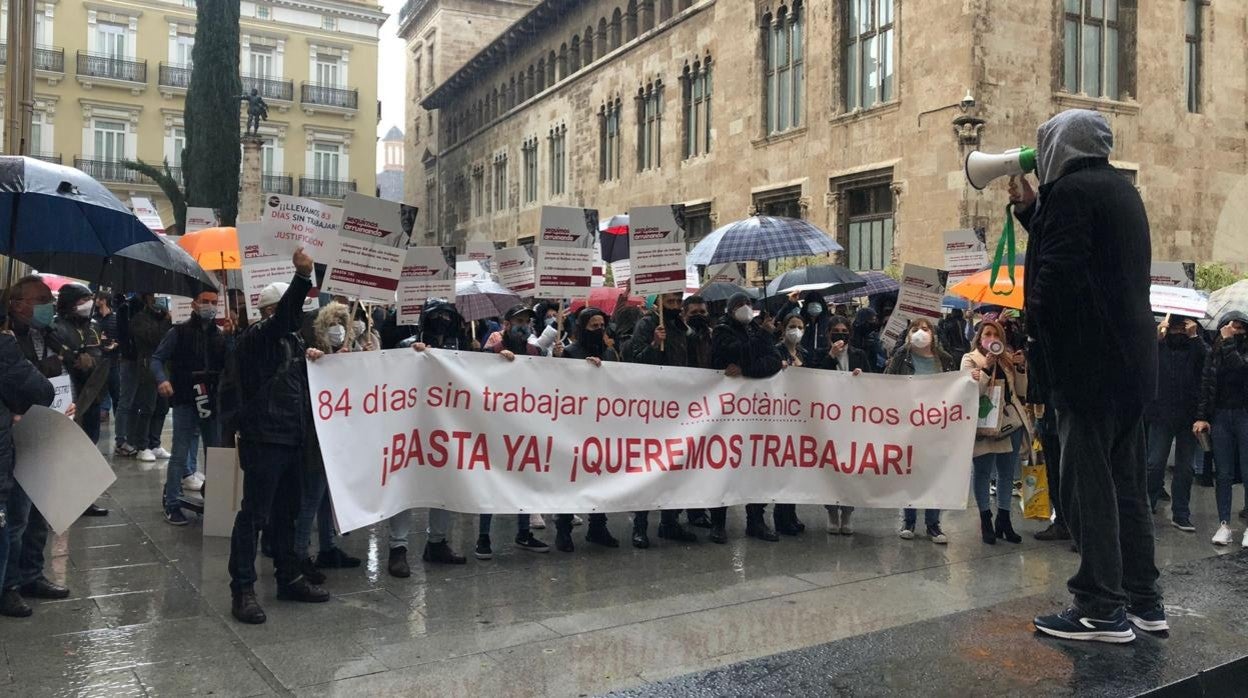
x=336, y=335
x=358, y=326
x=743, y=314
x=793, y=336
x=207, y=313
x=921, y=339
x=83, y=309
x=840, y=337
x=42, y=315
x=1176, y=339
x=550, y=321
x=698, y=322
x=815, y=309
x=161, y=304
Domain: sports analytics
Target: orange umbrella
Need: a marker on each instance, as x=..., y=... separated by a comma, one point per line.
x=215, y=249
x=977, y=289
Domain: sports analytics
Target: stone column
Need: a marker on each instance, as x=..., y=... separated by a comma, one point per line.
x=251, y=198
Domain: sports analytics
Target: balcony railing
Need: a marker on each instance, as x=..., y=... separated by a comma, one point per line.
x=269, y=88
x=325, y=188
x=109, y=171
x=278, y=184
x=50, y=58
x=54, y=158
x=98, y=65
x=329, y=96
x=173, y=75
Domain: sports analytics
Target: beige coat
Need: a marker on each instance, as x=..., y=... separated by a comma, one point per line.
x=1017, y=382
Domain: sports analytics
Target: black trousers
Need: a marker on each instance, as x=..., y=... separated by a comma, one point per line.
x=1052, y=445
x=1105, y=499
x=667, y=517
x=272, y=490
x=563, y=522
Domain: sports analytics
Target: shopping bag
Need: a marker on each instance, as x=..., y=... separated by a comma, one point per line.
x=1036, y=503
x=990, y=408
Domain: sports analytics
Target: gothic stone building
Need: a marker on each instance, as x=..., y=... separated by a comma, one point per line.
x=849, y=113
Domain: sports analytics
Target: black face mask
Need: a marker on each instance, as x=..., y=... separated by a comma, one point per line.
x=839, y=337
x=699, y=323
x=1176, y=339
x=594, y=341
x=516, y=340
x=437, y=326
x=671, y=317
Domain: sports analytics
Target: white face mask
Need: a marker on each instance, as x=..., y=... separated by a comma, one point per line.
x=743, y=314
x=84, y=309
x=921, y=339
x=793, y=335
x=336, y=335
x=358, y=326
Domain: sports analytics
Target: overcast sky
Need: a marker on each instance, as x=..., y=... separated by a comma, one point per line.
x=391, y=73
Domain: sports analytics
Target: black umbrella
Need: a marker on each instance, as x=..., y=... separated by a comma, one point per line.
x=722, y=291
x=828, y=279
x=159, y=266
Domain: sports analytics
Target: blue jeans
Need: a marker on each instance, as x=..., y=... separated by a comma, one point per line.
x=315, y=504
x=188, y=427
x=111, y=397
x=4, y=537
x=931, y=517
x=1230, y=448
x=28, y=536
x=987, y=465
x=128, y=382
x=522, y=524
x=401, y=527
x=1161, y=434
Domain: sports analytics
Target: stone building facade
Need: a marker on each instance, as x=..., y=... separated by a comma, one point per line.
x=849, y=113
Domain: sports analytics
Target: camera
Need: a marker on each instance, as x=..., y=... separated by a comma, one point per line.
x=996, y=347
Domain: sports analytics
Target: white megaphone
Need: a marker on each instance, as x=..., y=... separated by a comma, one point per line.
x=982, y=168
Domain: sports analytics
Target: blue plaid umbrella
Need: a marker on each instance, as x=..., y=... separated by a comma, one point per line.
x=760, y=238
x=877, y=282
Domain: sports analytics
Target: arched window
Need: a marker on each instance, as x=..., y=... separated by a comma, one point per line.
x=604, y=42
x=512, y=98
x=530, y=83
x=665, y=10
x=784, y=69
x=551, y=69
x=650, y=126
x=647, y=15
x=562, y=64
x=630, y=21
x=696, y=102
x=609, y=140
x=685, y=4
x=541, y=75
x=574, y=55
x=587, y=47
x=617, y=21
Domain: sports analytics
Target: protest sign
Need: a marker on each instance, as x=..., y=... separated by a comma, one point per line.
x=472, y=433
x=369, y=256
x=693, y=279
x=565, y=252
x=966, y=252
x=922, y=291
x=731, y=273
x=598, y=276
x=471, y=270
x=621, y=273
x=1177, y=300
x=656, y=246
x=428, y=272
x=480, y=250
x=291, y=222
x=224, y=498
x=59, y=467
x=516, y=269
x=147, y=214
x=64, y=387
x=262, y=265
x=199, y=218
x=1177, y=274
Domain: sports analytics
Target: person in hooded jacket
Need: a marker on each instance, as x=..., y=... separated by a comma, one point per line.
x=1222, y=413
x=660, y=344
x=1092, y=358
x=441, y=327
x=813, y=310
x=78, y=340
x=590, y=343
x=1180, y=366
x=866, y=338
x=740, y=347
x=952, y=333
x=147, y=325
x=840, y=356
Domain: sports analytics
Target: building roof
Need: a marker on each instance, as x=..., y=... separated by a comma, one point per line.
x=394, y=134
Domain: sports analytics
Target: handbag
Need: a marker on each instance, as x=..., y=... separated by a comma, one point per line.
x=1036, y=502
x=998, y=420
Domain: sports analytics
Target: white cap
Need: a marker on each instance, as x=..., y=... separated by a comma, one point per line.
x=273, y=293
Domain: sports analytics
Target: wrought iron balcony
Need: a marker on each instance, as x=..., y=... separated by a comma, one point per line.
x=173, y=75
x=277, y=184
x=325, y=188
x=98, y=65
x=54, y=158
x=330, y=96
x=269, y=88
x=50, y=59
x=109, y=171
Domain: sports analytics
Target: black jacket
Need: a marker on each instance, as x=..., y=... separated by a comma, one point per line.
x=640, y=350
x=273, y=374
x=857, y=360
x=196, y=357
x=951, y=332
x=806, y=356
x=72, y=337
x=1224, y=381
x=21, y=386
x=747, y=346
x=1179, y=373
x=1092, y=338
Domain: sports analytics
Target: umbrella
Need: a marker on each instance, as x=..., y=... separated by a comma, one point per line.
x=722, y=291
x=877, y=282
x=829, y=278
x=760, y=238
x=614, y=238
x=54, y=282
x=216, y=249
x=605, y=299
x=976, y=288
x=955, y=302
x=478, y=299
x=1224, y=300
x=159, y=266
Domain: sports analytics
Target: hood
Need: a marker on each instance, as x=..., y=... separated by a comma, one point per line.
x=864, y=316
x=1230, y=316
x=438, y=306
x=1076, y=134
x=333, y=314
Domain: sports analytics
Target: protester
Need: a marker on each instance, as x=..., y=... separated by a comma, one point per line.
x=866, y=338
x=741, y=347
x=951, y=332
x=993, y=367
x=127, y=377
x=1180, y=364
x=31, y=312
x=841, y=356
x=272, y=423
x=106, y=321
x=77, y=339
x=1092, y=354
x=794, y=352
x=695, y=313
x=187, y=366
x=441, y=327
x=920, y=356
x=815, y=319
x=589, y=342
x=660, y=340
x=148, y=325
x=1223, y=414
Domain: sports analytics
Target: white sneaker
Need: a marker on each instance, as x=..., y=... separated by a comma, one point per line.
x=1244, y=542
x=192, y=483
x=577, y=520
x=146, y=456
x=199, y=477
x=1224, y=535
x=834, y=521
x=161, y=453
x=537, y=522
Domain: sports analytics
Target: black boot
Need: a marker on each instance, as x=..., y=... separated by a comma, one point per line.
x=598, y=533
x=246, y=609
x=674, y=531
x=563, y=533
x=398, y=566
x=755, y=526
x=698, y=518
x=640, y=539
x=302, y=590
x=308, y=568
x=785, y=518
x=12, y=604
x=1055, y=531
x=441, y=553
x=336, y=558
x=986, y=530
x=719, y=525
x=1004, y=529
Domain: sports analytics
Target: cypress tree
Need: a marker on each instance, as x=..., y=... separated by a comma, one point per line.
x=210, y=166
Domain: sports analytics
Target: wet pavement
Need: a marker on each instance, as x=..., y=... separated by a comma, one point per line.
x=149, y=611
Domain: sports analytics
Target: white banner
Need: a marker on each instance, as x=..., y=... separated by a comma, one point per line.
x=290, y=222
x=147, y=214
x=263, y=265
x=566, y=252
x=428, y=272
x=474, y=433
x=966, y=252
x=1178, y=274
x=61, y=469
x=370, y=250
x=516, y=269
x=656, y=248
x=922, y=292
x=199, y=218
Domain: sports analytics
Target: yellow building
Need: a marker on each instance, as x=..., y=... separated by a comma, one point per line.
x=111, y=79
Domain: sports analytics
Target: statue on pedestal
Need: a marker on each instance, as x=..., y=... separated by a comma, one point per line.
x=256, y=110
